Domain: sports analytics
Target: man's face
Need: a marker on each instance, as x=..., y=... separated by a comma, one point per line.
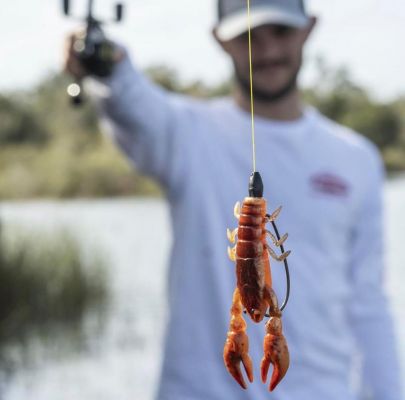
x=276, y=59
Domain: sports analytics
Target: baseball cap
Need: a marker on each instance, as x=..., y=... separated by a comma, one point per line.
x=232, y=15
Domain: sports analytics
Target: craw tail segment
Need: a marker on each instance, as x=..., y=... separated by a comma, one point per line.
x=251, y=254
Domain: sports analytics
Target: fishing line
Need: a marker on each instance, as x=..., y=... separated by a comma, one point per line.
x=254, y=184
x=251, y=88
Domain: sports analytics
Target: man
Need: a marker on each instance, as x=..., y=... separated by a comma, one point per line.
x=328, y=180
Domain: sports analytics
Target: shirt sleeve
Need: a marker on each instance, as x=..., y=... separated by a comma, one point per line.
x=369, y=312
x=147, y=122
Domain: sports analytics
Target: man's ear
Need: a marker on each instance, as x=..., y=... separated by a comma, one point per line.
x=310, y=27
x=223, y=44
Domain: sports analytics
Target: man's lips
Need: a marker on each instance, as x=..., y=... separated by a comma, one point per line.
x=269, y=66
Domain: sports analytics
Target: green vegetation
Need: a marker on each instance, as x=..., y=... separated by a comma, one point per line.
x=49, y=149
x=73, y=160
x=19, y=124
x=339, y=98
x=45, y=284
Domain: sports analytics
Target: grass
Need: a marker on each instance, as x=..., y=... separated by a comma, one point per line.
x=45, y=283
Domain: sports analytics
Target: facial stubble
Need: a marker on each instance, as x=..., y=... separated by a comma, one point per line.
x=266, y=96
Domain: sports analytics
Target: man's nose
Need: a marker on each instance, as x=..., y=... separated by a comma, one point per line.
x=270, y=45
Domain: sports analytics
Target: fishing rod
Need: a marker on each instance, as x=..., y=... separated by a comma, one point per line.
x=94, y=51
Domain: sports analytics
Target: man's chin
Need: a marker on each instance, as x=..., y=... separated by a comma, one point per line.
x=265, y=92
x=271, y=94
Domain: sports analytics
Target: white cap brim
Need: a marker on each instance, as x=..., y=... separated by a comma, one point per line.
x=237, y=23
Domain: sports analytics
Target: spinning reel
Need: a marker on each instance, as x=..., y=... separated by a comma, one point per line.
x=93, y=49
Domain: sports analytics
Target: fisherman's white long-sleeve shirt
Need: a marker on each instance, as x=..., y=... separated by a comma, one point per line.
x=329, y=181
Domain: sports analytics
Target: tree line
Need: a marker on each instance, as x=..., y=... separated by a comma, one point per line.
x=49, y=149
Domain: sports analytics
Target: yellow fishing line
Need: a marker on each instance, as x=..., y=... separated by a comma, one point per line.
x=251, y=88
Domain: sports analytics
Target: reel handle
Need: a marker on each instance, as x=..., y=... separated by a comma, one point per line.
x=75, y=93
x=119, y=12
x=66, y=7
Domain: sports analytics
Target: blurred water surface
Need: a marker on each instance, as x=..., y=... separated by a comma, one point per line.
x=122, y=361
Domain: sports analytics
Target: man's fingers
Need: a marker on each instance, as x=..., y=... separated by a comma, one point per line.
x=71, y=63
x=74, y=67
x=119, y=55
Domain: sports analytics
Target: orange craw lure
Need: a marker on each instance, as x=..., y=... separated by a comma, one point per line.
x=254, y=292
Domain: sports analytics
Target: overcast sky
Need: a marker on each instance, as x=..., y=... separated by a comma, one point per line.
x=366, y=36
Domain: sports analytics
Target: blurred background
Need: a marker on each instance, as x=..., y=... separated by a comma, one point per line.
x=81, y=311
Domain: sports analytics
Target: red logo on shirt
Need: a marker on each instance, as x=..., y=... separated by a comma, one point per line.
x=330, y=184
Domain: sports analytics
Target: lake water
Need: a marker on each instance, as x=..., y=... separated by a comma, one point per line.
x=122, y=362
